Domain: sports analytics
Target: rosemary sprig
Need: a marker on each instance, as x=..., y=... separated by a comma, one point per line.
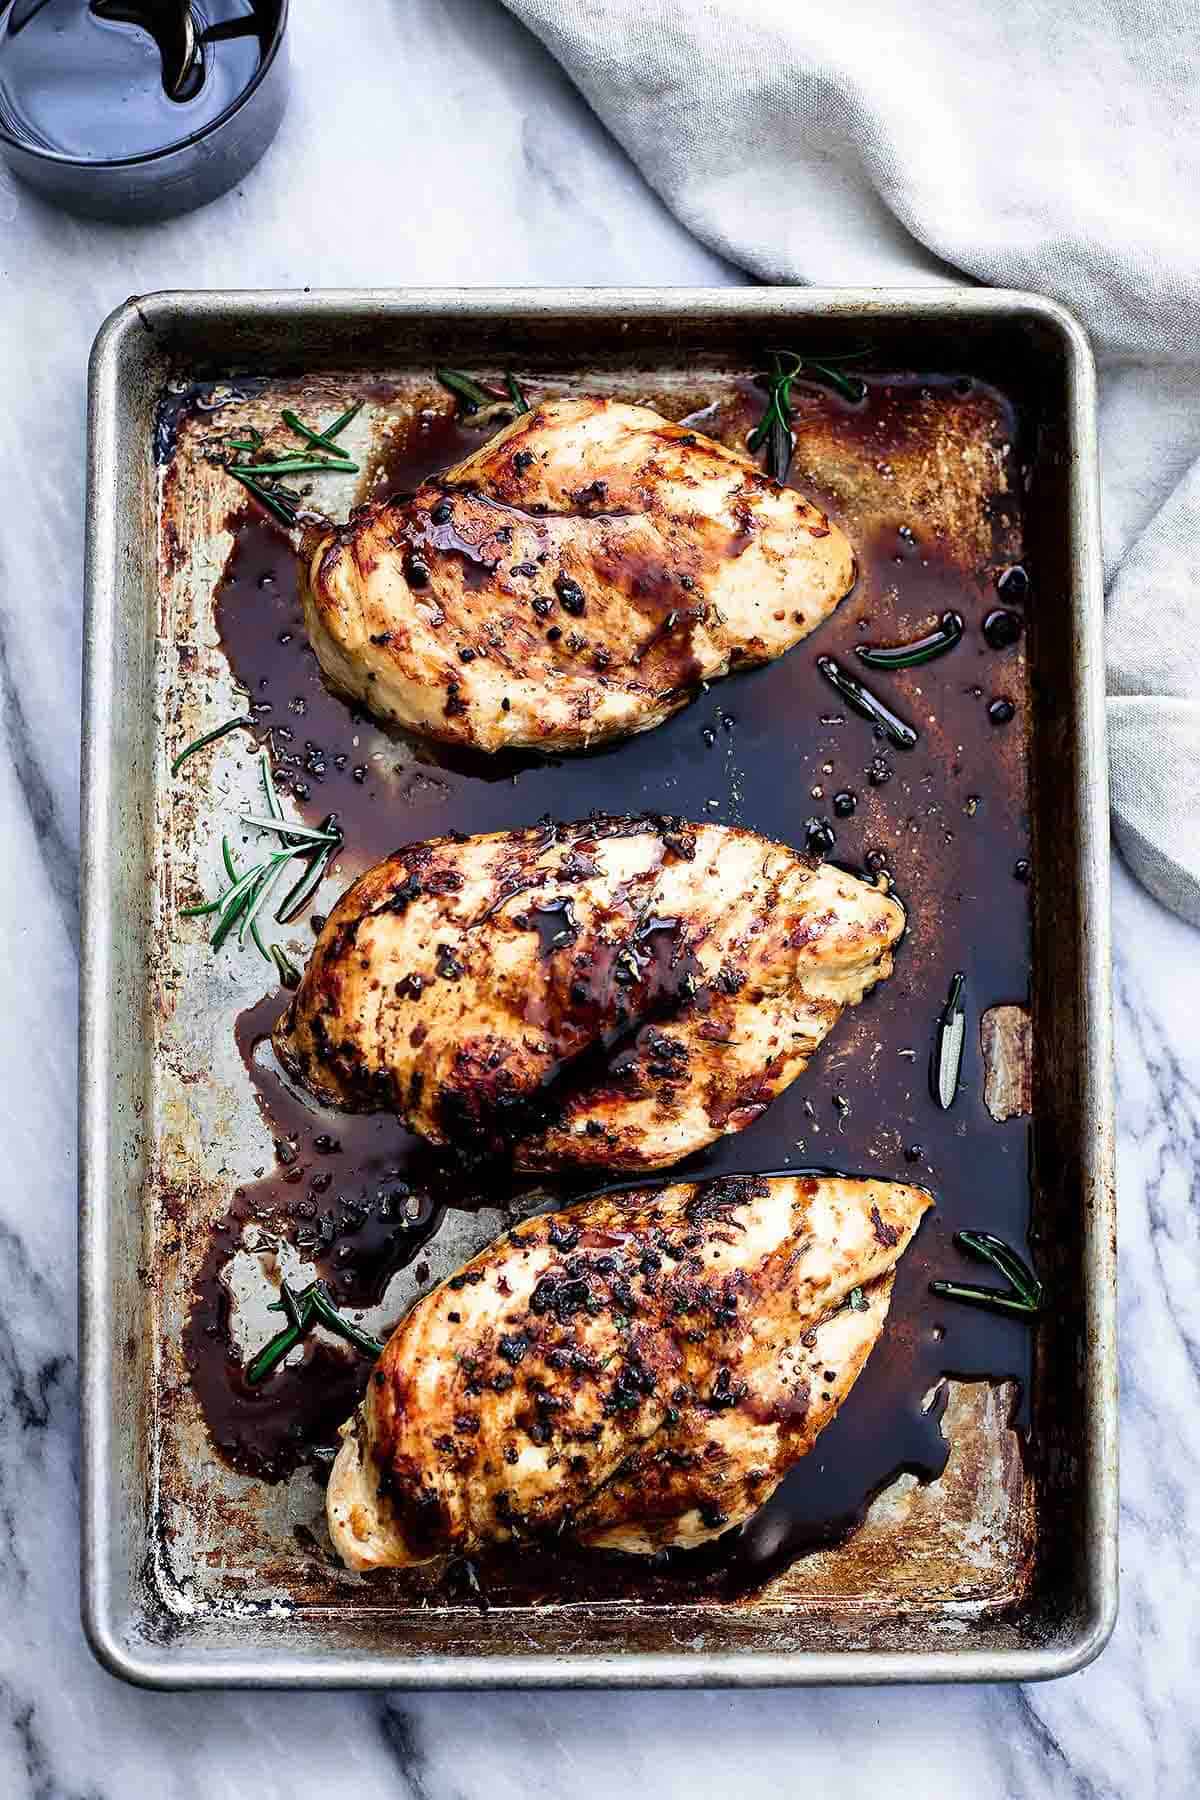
x=247, y=894
x=921, y=650
x=945, y=1064
x=515, y=393
x=1024, y=1292
x=774, y=429
x=311, y=1306
x=261, y=478
x=867, y=704
x=242, y=723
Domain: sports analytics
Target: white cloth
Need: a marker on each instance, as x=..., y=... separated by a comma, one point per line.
x=1052, y=145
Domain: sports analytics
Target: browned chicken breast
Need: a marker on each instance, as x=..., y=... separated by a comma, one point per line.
x=572, y=581
x=617, y=992
x=636, y=1372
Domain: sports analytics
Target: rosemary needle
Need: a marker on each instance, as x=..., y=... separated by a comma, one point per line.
x=287, y=828
x=289, y=974
x=242, y=723
x=321, y=440
x=299, y=465
x=867, y=704
x=466, y=391
x=343, y=419
x=231, y=869
x=922, y=650
x=279, y=502
x=1023, y=1294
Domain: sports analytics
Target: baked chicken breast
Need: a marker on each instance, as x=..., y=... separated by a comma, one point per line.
x=573, y=580
x=614, y=993
x=637, y=1372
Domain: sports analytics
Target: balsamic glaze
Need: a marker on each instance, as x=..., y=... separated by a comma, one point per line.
x=771, y=749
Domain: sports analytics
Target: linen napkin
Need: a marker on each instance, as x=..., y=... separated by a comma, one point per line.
x=1052, y=145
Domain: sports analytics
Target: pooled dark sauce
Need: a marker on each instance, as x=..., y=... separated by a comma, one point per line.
x=357, y=1196
x=775, y=750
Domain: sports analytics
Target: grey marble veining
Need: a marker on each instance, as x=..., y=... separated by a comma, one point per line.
x=434, y=142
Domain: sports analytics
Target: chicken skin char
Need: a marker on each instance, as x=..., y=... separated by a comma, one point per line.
x=572, y=581
x=637, y=1372
x=615, y=993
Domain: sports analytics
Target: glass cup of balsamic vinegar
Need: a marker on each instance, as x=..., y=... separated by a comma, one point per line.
x=135, y=111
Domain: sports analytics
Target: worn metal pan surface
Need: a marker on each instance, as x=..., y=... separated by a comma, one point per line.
x=1004, y=1566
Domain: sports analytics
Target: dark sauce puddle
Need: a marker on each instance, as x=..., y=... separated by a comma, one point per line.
x=359, y=1196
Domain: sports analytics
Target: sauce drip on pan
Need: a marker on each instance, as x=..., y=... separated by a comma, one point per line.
x=775, y=750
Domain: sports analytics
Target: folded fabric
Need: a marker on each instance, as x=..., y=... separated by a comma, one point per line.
x=1049, y=144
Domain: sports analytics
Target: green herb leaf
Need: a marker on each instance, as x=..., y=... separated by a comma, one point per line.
x=469, y=394
x=321, y=440
x=922, y=650
x=278, y=501
x=310, y=880
x=289, y=829
x=774, y=429
x=343, y=419
x=851, y=387
x=293, y=465
x=984, y=1246
x=289, y=974
x=1023, y=1294
x=867, y=704
x=272, y=1354
x=327, y=1314
x=231, y=869
x=857, y=1301
x=979, y=1296
x=248, y=893
x=520, y=404
x=242, y=723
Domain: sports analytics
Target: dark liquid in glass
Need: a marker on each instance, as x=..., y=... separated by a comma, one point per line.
x=92, y=88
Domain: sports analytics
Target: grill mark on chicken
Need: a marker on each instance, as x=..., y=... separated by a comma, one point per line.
x=637, y=1372
x=513, y=603
x=663, y=997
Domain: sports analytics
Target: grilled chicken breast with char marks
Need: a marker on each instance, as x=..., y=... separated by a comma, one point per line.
x=614, y=993
x=639, y=1371
x=574, y=580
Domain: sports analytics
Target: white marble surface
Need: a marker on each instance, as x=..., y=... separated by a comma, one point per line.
x=473, y=161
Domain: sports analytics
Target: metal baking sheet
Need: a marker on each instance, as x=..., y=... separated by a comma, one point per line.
x=1004, y=1567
